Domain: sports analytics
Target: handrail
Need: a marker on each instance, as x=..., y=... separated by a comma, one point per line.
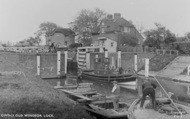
x=168, y=96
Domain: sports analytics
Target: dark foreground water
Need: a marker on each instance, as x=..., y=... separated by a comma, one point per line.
x=104, y=88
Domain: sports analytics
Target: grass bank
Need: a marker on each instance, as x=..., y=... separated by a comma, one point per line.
x=26, y=93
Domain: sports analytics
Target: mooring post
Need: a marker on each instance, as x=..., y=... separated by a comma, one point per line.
x=106, y=53
x=66, y=57
x=188, y=70
x=135, y=66
x=88, y=60
x=135, y=62
x=58, y=63
x=58, y=84
x=38, y=64
x=119, y=59
x=146, y=68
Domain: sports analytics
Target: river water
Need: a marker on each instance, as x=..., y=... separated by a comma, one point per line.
x=127, y=95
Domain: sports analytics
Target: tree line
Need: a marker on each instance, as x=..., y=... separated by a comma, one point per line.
x=88, y=22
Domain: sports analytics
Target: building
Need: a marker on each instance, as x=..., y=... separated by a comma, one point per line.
x=110, y=28
x=61, y=37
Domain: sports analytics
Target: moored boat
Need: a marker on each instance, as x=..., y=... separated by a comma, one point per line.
x=104, y=109
x=82, y=91
x=107, y=77
x=165, y=109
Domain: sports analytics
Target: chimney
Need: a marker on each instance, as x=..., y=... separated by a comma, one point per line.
x=109, y=16
x=117, y=15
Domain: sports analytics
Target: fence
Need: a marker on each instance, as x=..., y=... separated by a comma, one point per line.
x=25, y=49
x=169, y=52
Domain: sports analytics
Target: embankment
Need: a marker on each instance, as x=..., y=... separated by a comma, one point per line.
x=22, y=92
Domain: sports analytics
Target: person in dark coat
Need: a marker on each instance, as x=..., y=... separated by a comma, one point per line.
x=148, y=89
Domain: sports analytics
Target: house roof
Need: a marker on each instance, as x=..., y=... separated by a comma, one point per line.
x=64, y=31
x=114, y=25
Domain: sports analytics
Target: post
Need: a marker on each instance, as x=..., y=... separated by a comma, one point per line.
x=135, y=62
x=88, y=60
x=146, y=67
x=106, y=54
x=58, y=62
x=66, y=57
x=113, y=63
x=119, y=59
x=135, y=67
x=188, y=70
x=58, y=84
x=38, y=64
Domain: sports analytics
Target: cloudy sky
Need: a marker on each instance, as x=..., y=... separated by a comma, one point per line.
x=19, y=19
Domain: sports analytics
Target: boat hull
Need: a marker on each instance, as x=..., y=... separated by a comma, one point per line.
x=108, y=78
x=164, y=111
x=104, y=110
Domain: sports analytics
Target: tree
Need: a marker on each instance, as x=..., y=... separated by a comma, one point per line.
x=87, y=22
x=187, y=35
x=159, y=36
x=46, y=28
x=128, y=39
x=34, y=41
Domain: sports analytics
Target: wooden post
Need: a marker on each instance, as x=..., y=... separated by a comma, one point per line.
x=58, y=83
x=119, y=59
x=38, y=64
x=188, y=70
x=58, y=63
x=135, y=67
x=66, y=57
x=146, y=67
x=88, y=60
x=135, y=62
x=106, y=54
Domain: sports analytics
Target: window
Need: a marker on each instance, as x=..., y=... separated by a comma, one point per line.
x=102, y=43
x=126, y=29
x=111, y=44
x=65, y=43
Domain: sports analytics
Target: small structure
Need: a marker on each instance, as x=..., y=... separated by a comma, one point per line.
x=61, y=37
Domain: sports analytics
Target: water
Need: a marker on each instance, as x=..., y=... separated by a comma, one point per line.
x=127, y=95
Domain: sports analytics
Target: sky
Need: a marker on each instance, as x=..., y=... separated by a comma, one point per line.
x=20, y=19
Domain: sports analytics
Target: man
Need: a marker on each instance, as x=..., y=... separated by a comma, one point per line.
x=148, y=89
x=116, y=92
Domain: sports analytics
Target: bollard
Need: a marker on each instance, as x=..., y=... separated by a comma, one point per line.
x=38, y=64
x=66, y=57
x=58, y=62
x=119, y=59
x=146, y=67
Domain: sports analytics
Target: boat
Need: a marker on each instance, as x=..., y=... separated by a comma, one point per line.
x=165, y=109
x=82, y=91
x=107, y=77
x=103, y=109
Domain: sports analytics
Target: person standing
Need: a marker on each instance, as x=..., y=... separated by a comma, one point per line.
x=116, y=92
x=148, y=89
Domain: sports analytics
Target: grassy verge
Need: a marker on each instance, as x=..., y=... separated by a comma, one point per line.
x=28, y=94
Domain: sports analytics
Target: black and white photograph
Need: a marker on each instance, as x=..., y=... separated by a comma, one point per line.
x=94, y=59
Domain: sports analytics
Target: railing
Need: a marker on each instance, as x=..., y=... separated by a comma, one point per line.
x=25, y=49
x=170, y=52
